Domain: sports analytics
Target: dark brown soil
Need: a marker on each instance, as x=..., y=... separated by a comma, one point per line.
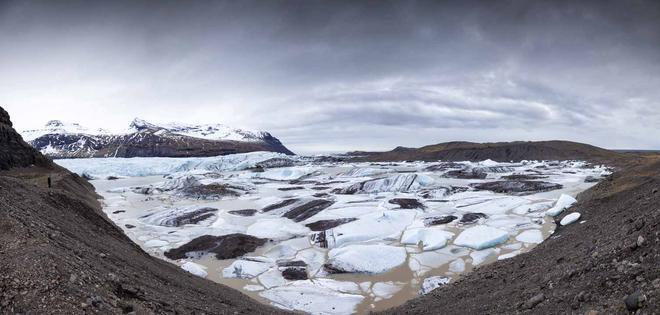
x=586, y=267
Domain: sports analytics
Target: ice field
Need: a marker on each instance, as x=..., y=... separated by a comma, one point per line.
x=326, y=237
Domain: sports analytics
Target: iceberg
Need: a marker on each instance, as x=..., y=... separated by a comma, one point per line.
x=530, y=236
x=562, y=203
x=480, y=237
x=195, y=269
x=570, y=218
x=365, y=258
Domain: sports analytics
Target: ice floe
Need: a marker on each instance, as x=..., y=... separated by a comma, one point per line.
x=570, y=218
x=480, y=237
x=365, y=258
x=562, y=203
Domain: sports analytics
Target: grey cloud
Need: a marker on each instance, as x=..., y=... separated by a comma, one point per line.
x=317, y=73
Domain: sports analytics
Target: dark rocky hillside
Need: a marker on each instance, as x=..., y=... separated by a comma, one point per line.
x=14, y=152
x=497, y=151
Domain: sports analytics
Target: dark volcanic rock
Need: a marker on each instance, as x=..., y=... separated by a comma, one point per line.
x=307, y=210
x=407, y=203
x=523, y=177
x=243, y=213
x=470, y=218
x=466, y=174
x=224, y=247
x=14, y=152
x=517, y=186
x=275, y=162
x=281, y=204
x=211, y=191
x=591, y=179
x=635, y=300
x=291, y=188
x=191, y=217
x=295, y=273
x=439, y=220
x=328, y=224
x=292, y=263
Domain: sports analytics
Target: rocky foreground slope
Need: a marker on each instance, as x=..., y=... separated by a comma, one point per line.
x=497, y=151
x=144, y=139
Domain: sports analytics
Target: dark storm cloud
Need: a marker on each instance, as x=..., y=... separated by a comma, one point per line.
x=327, y=75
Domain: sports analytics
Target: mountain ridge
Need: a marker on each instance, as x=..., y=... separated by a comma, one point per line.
x=144, y=139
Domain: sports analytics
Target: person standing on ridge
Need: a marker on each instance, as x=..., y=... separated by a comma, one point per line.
x=50, y=182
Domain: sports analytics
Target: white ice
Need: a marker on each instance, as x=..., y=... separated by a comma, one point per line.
x=530, y=236
x=433, y=283
x=480, y=237
x=570, y=218
x=367, y=258
x=307, y=297
x=195, y=269
x=562, y=203
x=430, y=238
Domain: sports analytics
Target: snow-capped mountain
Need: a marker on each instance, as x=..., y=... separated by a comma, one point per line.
x=68, y=140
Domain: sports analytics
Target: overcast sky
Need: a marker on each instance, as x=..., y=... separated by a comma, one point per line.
x=335, y=76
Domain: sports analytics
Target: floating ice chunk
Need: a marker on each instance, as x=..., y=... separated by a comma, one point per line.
x=195, y=269
x=534, y=207
x=570, y=218
x=271, y=278
x=365, y=171
x=509, y=255
x=509, y=222
x=562, y=203
x=287, y=173
x=392, y=183
x=155, y=243
x=375, y=226
x=431, y=238
x=480, y=256
x=457, y=266
x=513, y=246
x=247, y=268
x=480, y=237
x=489, y=204
x=433, y=283
x=307, y=297
x=341, y=286
x=385, y=290
x=253, y=287
x=530, y=236
x=277, y=229
x=366, y=258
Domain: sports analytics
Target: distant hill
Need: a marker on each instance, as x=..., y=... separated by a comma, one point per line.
x=497, y=151
x=58, y=139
